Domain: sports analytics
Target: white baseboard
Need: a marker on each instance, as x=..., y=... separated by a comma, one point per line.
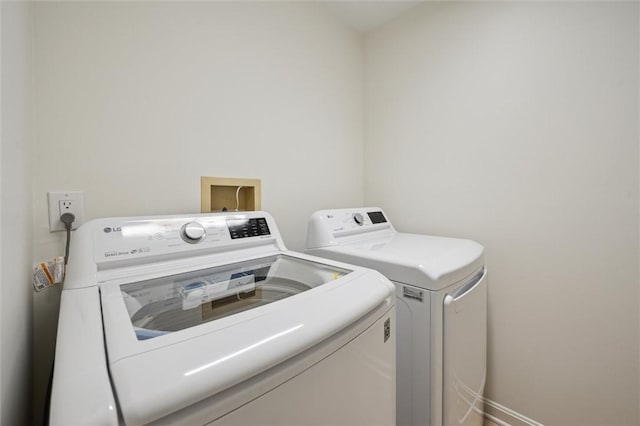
x=503, y=416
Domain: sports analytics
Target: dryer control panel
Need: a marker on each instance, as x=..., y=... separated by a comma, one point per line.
x=326, y=227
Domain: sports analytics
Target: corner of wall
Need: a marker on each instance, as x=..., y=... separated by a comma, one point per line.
x=16, y=305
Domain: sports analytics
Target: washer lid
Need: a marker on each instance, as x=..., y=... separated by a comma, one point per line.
x=175, y=340
x=432, y=263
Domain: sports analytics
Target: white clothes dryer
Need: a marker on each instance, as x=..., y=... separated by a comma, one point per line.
x=441, y=303
x=208, y=318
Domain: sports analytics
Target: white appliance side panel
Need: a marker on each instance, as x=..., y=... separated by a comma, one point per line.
x=354, y=386
x=413, y=355
x=465, y=354
x=81, y=391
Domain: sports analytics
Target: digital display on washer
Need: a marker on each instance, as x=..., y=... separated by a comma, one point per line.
x=377, y=217
x=242, y=228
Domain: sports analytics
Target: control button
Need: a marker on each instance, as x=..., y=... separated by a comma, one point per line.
x=193, y=232
x=247, y=228
x=358, y=219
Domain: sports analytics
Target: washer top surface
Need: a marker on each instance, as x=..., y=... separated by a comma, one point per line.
x=191, y=306
x=363, y=236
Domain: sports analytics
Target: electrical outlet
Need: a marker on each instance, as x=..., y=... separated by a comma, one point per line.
x=65, y=202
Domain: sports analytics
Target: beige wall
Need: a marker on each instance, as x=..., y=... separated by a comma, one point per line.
x=136, y=101
x=15, y=214
x=516, y=124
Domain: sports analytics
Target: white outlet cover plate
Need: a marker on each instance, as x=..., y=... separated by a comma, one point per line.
x=54, y=198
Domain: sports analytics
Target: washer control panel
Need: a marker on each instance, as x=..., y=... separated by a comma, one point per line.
x=123, y=239
x=243, y=228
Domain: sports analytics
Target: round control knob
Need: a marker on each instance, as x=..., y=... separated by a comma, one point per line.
x=193, y=232
x=357, y=218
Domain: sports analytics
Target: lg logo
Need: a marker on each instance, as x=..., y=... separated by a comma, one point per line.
x=109, y=229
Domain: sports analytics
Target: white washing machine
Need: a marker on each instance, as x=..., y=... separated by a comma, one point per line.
x=209, y=319
x=441, y=303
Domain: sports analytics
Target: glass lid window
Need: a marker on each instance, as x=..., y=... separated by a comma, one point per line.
x=176, y=302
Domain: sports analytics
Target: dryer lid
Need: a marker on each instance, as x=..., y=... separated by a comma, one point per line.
x=429, y=262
